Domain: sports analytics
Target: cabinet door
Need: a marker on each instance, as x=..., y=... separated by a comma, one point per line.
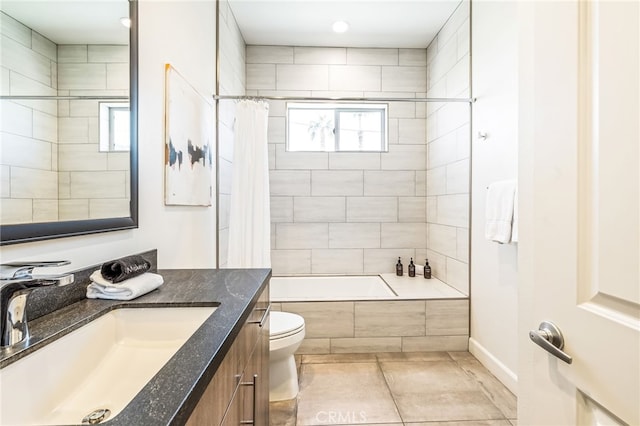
x=233, y=416
x=256, y=373
x=215, y=400
x=261, y=356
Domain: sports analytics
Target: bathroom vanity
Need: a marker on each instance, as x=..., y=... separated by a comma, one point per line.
x=220, y=374
x=239, y=391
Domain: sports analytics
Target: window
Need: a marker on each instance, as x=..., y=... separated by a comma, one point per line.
x=326, y=127
x=114, y=126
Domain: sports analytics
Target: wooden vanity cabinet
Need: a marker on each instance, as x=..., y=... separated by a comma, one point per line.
x=238, y=394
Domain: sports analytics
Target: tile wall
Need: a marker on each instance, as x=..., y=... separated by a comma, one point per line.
x=92, y=184
x=51, y=166
x=448, y=146
x=345, y=213
x=232, y=82
x=29, y=162
x=386, y=326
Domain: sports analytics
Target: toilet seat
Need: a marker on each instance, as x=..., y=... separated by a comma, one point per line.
x=284, y=324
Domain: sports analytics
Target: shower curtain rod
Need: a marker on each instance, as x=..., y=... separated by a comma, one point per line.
x=337, y=99
x=63, y=98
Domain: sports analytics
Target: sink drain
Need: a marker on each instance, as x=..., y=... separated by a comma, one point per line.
x=96, y=416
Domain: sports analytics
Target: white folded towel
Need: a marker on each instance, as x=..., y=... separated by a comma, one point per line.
x=499, y=211
x=514, y=226
x=129, y=289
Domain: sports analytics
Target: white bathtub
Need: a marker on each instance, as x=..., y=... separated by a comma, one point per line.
x=335, y=288
x=362, y=287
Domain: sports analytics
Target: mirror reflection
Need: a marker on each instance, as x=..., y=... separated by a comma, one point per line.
x=65, y=125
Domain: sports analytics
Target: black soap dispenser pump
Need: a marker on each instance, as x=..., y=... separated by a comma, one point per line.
x=399, y=268
x=412, y=268
x=427, y=269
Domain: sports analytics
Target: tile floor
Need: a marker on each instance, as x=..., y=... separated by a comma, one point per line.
x=396, y=389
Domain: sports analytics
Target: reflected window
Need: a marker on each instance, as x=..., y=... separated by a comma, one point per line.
x=114, y=126
x=324, y=127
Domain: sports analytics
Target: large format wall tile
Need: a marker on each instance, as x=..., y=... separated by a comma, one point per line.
x=447, y=317
x=320, y=55
x=291, y=262
x=337, y=261
x=324, y=319
x=319, y=209
x=382, y=194
x=386, y=319
x=354, y=235
x=366, y=345
x=372, y=209
x=301, y=235
x=327, y=183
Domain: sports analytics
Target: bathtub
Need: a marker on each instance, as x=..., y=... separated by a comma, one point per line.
x=320, y=288
x=371, y=314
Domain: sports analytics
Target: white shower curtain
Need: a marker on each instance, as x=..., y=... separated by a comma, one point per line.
x=250, y=216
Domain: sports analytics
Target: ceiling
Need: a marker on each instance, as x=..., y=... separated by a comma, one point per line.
x=72, y=21
x=373, y=23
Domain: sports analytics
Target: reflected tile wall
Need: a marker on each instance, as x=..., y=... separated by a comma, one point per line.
x=39, y=168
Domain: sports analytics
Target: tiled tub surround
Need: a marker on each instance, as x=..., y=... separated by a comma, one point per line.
x=51, y=165
x=173, y=393
x=345, y=213
x=427, y=315
x=448, y=152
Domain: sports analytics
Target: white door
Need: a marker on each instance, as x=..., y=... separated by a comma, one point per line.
x=579, y=189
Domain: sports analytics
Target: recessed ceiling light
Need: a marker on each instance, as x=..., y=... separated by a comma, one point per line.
x=125, y=21
x=340, y=27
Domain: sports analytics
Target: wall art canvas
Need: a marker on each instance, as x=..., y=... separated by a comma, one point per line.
x=189, y=139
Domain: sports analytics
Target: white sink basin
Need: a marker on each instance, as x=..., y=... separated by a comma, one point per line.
x=103, y=364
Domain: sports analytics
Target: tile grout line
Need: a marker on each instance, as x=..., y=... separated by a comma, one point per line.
x=389, y=389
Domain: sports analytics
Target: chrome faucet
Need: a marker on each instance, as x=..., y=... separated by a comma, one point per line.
x=16, y=283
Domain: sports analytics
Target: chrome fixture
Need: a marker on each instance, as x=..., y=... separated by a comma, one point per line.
x=549, y=338
x=16, y=282
x=96, y=416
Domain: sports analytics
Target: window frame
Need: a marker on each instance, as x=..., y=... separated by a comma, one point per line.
x=338, y=108
x=106, y=123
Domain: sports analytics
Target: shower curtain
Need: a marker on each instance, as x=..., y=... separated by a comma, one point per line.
x=250, y=216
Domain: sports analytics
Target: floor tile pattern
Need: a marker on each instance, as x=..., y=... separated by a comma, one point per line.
x=396, y=389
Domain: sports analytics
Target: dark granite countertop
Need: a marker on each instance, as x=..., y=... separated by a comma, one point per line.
x=172, y=394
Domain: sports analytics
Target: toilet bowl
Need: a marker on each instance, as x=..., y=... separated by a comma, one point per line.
x=286, y=332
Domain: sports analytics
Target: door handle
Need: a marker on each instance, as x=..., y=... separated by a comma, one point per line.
x=549, y=338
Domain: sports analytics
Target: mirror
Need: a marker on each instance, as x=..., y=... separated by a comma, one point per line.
x=69, y=118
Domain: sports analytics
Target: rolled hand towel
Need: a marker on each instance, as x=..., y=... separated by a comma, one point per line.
x=125, y=268
x=129, y=289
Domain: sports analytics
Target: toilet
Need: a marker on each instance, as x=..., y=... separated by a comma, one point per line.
x=286, y=331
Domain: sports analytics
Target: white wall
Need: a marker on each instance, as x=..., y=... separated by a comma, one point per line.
x=181, y=33
x=494, y=269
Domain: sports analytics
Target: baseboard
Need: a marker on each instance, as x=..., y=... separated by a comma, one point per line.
x=493, y=364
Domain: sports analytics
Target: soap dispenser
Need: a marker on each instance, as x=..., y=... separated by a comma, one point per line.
x=427, y=270
x=412, y=268
x=399, y=268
